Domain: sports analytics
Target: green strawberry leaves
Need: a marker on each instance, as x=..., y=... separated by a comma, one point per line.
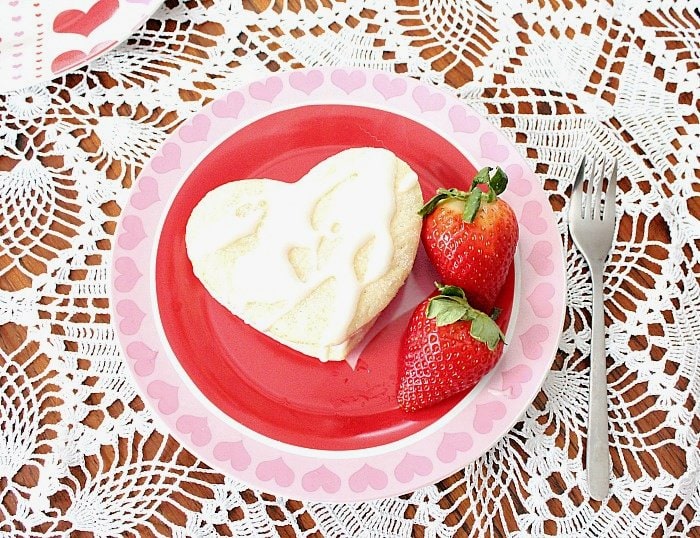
x=485, y=330
x=472, y=205
x=495, y=178
x=497, y=181
x=442, y=195
x=451, y=305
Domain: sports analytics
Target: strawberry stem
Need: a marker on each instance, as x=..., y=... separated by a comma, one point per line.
x=451, y=305
x=496, y=181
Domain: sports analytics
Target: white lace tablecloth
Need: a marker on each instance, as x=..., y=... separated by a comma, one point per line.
x=78, y=450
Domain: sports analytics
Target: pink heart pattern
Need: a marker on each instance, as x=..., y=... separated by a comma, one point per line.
x=532, y=219
x=146, y=193
x=540, y=300
x=428, y=101
x=144, y=358
x=275, y=470
x=515, y=378
x=532, y=339
x=306, y=82
x=229, y=107
x=367, y=477
x=129, y=274
x=461, y=122
x=486, y=414
x=322, y=478
x=348, y=81
x=196, y=427
x=234, y=453
x=389, y=87
x=166, y=395
x=412, y=465
x=491, y=149
x=267, y=90
x=451, y=444
x=517, y=181
x=132, y=316
x=487, y=411
x=169, y=158
x=196, y=130
x=133, y=232
x=540, y=259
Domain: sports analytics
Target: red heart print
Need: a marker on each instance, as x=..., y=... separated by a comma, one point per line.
x=74, y=21
x=74, y=58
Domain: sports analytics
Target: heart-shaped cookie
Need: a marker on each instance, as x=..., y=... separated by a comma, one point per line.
x=312, y=263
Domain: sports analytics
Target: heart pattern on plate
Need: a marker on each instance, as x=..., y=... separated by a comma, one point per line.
x=234, y=453
x=321, y=478
x=74, y=21
x=344, y=477
x=51, y=37
x=275, y=470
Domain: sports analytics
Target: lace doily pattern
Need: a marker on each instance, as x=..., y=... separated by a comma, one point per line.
x=79, y=451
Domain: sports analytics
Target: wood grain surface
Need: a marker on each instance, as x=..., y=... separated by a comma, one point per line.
x=13, y=335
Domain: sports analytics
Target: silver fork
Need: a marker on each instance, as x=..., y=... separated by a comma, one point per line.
x=592, y=227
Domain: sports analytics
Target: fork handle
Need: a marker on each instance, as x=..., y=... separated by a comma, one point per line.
x=598, y=456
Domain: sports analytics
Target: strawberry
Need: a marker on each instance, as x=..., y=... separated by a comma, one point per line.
x=447, y=348
x=470, y=237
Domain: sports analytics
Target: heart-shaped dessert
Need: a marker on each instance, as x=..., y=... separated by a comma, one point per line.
x=312, y=263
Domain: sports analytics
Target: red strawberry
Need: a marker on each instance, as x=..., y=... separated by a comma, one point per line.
x=470, y=237
x=448, y=347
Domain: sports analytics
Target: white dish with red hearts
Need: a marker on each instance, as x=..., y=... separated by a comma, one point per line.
x=41, y=39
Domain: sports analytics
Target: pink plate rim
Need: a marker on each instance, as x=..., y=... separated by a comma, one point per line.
x=355, y=475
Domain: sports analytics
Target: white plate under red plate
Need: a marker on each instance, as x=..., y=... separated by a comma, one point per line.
x=268, y=415
x=41, y=39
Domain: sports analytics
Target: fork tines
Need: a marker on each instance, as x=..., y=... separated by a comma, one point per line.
x=597, y=189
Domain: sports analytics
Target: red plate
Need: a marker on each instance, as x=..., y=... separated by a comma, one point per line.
x=273, y=390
